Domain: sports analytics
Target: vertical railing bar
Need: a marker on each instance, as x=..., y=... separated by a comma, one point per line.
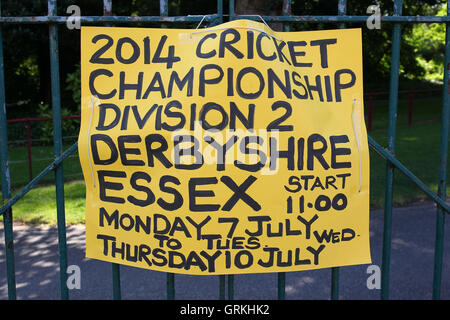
x=107, y=8
x=117, y=292
x=230, y=287
x=115, y=267
x=287, y=5
x=342, y=9
x=6, y=182
x=222, y=278
x=170, y=277
x=220, y=11
x=231, y=12
x=30, y=162
x=163, y=10
x=335, y=283
x=170, y=285
x=440, y=214
x=392, y=128
x=221, y=287
x=281, y=285
x=286, y=11
x=57, y=146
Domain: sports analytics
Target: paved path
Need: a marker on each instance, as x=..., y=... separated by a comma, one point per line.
x=37, y=267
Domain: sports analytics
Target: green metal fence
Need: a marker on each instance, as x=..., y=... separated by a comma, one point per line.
x=392, y=163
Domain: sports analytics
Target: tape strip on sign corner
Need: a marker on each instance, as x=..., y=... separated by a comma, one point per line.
x=236, y=151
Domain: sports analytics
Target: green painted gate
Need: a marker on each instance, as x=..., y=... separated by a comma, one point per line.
x=53, y=21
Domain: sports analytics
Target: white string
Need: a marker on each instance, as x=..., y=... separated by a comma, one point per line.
x=88, y=136
x=200, y=22
x=250, y=28
x=357, y=142
x=257, y=15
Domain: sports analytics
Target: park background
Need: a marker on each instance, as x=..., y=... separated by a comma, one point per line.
x=28, y=96
x=28, y=107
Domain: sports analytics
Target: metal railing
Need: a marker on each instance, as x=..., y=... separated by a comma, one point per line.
x=397, y=19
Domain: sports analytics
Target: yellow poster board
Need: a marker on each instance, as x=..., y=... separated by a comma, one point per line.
x=226, y=150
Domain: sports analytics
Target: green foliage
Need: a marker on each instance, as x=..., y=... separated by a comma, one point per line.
x=377, y=43
x=69, y=126
x=428, y=41
x=73, y=84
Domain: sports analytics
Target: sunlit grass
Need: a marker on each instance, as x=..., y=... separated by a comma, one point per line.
x=39, y=205
x=418, y=149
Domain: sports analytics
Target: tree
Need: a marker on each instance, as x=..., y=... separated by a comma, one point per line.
x=428, y=41
x=26, y=53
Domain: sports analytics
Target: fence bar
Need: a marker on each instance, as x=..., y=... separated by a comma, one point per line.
x=6, y=182
x=107, y=8
x=17, y=120
x=335, y=283
x=30, y=163
x=163, y=10
x=211, y=17
x=342, y=9
x=230, y=287
x=231, y=12
x=170, y=277
x=57, y=146
x=115, y=268
x=392, y=128
x=220, y=11
x=223, y=277
x=287, y=10
x=350, y=19
x=117, y=295
x=221, y=287
x=85, y=20
x=440, y=217
x=170, y=285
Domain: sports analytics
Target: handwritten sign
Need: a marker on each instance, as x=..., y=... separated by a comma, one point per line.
x=232, y=149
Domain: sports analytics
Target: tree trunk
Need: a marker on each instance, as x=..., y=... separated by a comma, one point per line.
x=262, y=8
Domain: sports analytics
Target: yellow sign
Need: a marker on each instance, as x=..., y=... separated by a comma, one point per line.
x=231, y=149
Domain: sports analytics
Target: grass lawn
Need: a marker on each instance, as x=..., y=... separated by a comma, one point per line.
x=41, y=157
x=39, y=205
x=417, y=148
